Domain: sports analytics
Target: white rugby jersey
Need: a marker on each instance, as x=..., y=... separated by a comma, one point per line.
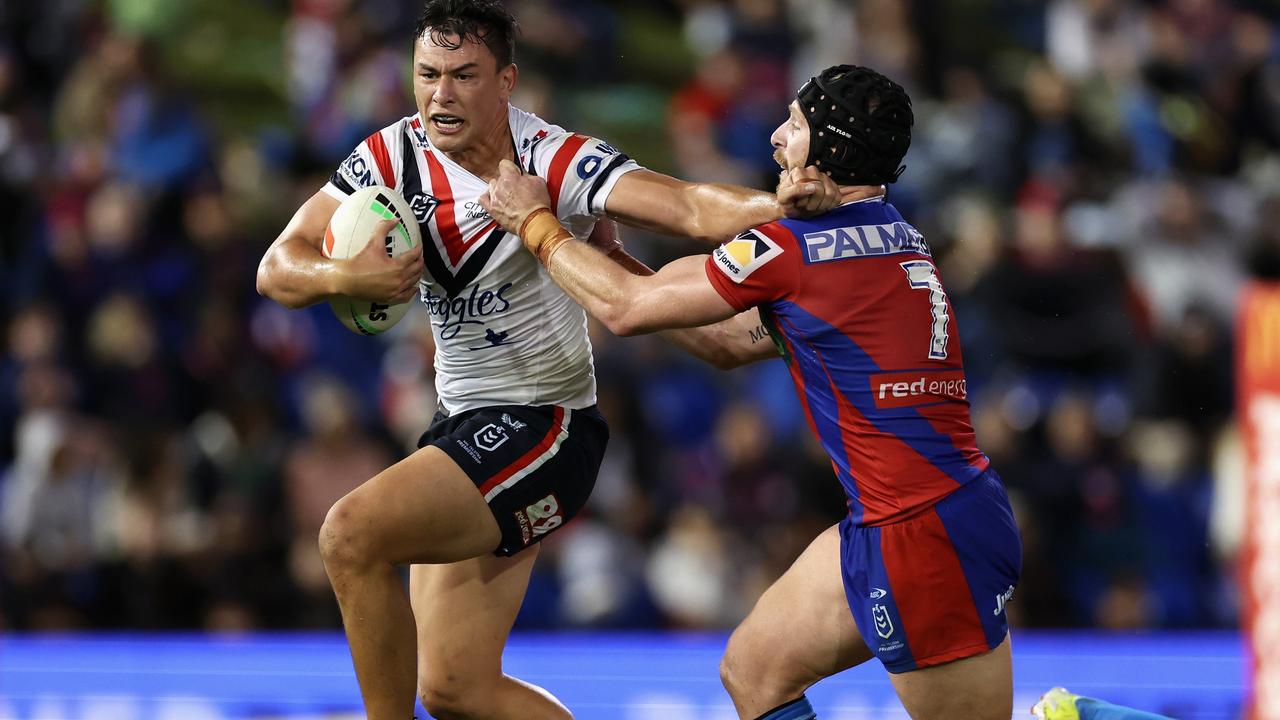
x=505, y=333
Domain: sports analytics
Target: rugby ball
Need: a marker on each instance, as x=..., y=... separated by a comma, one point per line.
x=349, y=230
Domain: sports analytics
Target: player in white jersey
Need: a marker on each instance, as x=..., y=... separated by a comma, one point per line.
x=505, y=334
x=514, y=369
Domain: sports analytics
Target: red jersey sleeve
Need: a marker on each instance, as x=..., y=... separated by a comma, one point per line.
x=758, y=267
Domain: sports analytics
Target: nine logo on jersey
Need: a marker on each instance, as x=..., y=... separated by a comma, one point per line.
x=741, y=256
x=863, y=241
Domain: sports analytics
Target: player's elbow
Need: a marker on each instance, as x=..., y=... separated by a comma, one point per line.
x=623, y=323
x=720, y=354
x=696, y=223
x=263, y=281
x=269, y=286
x=705, y=236
x=723, y=359
x=628, y=315
x=701, y=229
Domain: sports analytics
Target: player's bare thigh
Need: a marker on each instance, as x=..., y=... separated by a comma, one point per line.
x=978, y=687
x=467, y=608
x=422, y=509
x=800, y=631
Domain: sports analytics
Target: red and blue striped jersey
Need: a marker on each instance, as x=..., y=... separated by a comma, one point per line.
x=854, y=302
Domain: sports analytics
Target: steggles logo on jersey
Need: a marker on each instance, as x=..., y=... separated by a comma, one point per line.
x=741, y=256
x=495, y=339
x=454, y=313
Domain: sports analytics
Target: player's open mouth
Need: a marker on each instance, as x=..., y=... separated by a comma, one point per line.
x=447, y=124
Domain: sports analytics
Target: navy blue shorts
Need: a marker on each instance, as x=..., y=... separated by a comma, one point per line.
x=932, y=589
x=534, y=465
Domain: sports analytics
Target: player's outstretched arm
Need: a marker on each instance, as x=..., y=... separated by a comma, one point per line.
x=726, y=345
x=677, y=296
x=714, y=212
x=294, y=272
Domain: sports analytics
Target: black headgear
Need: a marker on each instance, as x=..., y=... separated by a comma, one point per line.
x=859, y=125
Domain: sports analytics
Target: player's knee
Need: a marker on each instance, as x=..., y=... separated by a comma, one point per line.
x=446, y=698
x=342, y=544
x=751, y=665
x=728, y=674
x=739, y=671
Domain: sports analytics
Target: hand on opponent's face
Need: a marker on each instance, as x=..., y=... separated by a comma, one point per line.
x=805, y=192
x=513, y=196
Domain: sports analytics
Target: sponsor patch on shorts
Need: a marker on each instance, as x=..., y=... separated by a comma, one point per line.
x=545, y=515
x=526, y=534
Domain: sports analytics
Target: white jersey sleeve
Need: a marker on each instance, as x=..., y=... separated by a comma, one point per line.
x=376, y=161
x=580, y=172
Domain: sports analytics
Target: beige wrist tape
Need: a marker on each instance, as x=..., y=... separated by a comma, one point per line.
x=543, y=234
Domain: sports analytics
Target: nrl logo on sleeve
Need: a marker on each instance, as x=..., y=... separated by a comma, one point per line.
x=742, y=255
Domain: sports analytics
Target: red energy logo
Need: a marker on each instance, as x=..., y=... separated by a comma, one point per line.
x=909, y=389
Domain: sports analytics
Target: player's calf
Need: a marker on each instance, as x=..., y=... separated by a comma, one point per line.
x=450, y=696
x=447, y=698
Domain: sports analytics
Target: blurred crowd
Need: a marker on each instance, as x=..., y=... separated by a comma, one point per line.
x=1097, y=179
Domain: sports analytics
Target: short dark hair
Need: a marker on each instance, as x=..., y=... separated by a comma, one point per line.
x=453, y=22
x=859, y=124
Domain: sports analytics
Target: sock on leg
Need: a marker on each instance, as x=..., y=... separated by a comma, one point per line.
x=798, y=709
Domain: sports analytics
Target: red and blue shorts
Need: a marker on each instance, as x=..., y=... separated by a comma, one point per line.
x=932, y=589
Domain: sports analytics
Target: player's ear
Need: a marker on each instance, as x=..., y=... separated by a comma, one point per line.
x=507, y=80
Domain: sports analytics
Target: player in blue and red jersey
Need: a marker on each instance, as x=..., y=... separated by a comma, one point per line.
x=929, y=553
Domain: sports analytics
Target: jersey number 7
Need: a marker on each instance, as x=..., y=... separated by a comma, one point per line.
x=921, y=275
